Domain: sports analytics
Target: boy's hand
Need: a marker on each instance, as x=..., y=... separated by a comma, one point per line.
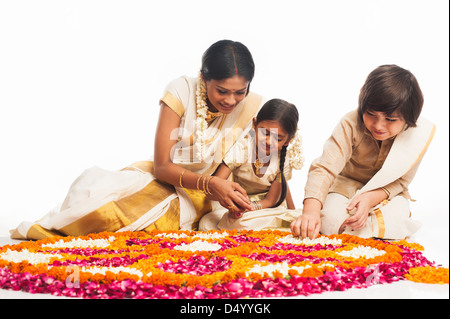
x=309, y=223
x=359, y=209
x=306, y=225
x=361, y=205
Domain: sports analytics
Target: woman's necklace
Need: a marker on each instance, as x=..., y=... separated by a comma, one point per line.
x=211, y=116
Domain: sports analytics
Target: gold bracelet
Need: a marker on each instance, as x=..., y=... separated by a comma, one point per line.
x=207, y=185
x=181, y=178
x=198, y=180
x=204, y=185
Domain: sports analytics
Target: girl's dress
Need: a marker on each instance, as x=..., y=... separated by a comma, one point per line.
x=132, y=199
x=239, y=160
x=353, y=162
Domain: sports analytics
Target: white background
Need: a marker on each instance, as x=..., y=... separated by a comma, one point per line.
x=80, y=82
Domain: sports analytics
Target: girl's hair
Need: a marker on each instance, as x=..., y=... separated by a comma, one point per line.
x=225, y=59
x=390, y=88
x=286, y=114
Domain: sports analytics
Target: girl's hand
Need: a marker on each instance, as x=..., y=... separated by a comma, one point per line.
x=229, y=194
x=309, y=223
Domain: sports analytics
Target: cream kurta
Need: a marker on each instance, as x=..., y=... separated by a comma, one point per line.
x=351, y=160
x=132, y=199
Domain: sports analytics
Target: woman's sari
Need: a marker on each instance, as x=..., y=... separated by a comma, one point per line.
x=133, y=199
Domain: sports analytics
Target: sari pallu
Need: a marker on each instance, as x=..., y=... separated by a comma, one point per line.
x=133, y=199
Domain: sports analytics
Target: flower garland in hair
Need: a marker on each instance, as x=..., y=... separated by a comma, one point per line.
x=200, y=124
x=295, y=152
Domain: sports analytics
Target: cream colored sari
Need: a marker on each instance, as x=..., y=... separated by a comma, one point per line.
x=132, y=199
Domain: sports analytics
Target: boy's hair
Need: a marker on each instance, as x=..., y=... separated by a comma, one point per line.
x=286, y=114
x=390, y=88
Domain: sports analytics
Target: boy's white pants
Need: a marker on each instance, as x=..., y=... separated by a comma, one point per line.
x=391, y=220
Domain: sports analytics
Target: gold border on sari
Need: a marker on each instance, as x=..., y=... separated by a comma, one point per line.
x=115, y=215
x=171, y=101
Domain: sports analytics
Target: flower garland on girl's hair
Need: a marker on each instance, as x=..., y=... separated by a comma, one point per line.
x=200, y=124
x=295, y=152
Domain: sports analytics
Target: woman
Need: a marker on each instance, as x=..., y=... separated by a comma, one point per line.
x=200, y=119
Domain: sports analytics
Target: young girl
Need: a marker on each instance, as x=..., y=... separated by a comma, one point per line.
x=360, y=183
x=261, y=164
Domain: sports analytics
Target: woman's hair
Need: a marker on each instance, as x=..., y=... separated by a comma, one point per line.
x=390, y=88
x=225, y=59
x=286, y=114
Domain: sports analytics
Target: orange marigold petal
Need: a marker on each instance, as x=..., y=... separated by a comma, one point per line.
x=429, y=275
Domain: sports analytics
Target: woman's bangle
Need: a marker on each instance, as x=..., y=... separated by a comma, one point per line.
x=198, y=180
x=207, y=185
x=204, y=184
x=204, y=180
x=181, y=178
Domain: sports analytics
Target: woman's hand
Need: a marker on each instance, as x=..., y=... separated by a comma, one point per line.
x=230, y=195
x=236, y=212
x=308, y=223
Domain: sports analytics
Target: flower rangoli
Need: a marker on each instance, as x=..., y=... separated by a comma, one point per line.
x=228, y=264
